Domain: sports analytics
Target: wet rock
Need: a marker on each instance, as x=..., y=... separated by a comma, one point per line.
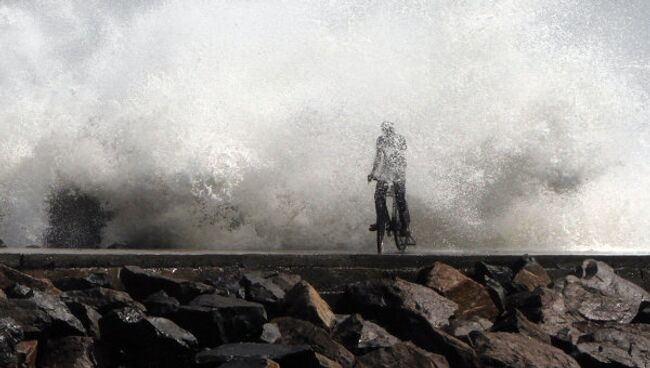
x=69, y=352
x=497, y=292
x=612, y=345
x=299, y=332
x=531, y=274
x=19, y=291
x=402, y=355
x=215, y=319
x=361, y=336
x=411, y=312
x=10, y=335
x=285, y=355
x=502, y=275
x=260, y=289
x=140, y=283
x=503, y=349
x=160, y=304
x=228, y=284
x=270, y=333
x=9, y=277
x=515, y=321
x=102, y=299
x=92, y=280
x=27, y=352
x=303, y=301
x=88, y=316
x=42, y=314
x=461, y=328
x=148, y=339
x=251, y=363
x=391, y=299
x=472, y=298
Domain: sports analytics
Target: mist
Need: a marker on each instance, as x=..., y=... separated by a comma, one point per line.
x=252, y=124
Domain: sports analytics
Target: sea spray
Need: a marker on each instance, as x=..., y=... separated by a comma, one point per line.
x=226, y=125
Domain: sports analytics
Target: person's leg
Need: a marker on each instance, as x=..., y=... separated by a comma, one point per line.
x=380, y=204
x=402, y=206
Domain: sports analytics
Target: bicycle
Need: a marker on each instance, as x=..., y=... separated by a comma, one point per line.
x=393, y=226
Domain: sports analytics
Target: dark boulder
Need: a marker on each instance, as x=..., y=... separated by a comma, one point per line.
x=88, y=316
x=503, y=349
x=501, y=274
x=227, y=284
x=361, y=336
x=461, y=328
x=69, y=352
x=515, y=321
x=148, y=341
x=530, y=274
x=411, y=312
x=261, y=289
x=397, y=300
x=160, y=304
x=215, y=319
x=42, y=315
x=299, y=332
x=472, y=298
x=303, y=301
x=402, y=355
x=140, y=283
x=10, y=335
x=92, y=280
x=9, y=277
x=613, y=345
x=285, y=355
x=102, y=299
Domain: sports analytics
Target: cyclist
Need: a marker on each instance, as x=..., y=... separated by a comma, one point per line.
x=390, y=167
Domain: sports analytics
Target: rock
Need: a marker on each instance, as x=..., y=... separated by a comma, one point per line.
x=531, y=274
x=92, y=280
x=643, y=315
x=324, y=362
x=501, y=274
x=27, y=352
x=216, y=319
x=411, y=312
x=600, y=276
x=461, y=328
x=42, y=315
x=270, y=333
x=472, y=298
x=260, y=289
x=160, y=304
x=614, y=345
x=251, y=363
x=514, y=321
x=361, y=336
x=69, y=352
x=402, y=355
x=102, y=299
x=10, y=335
x=497, y=292
x=503, y=349
x=9, y=277
x=299, y=332
x=391, y=299
x=141, y=283
x=147, y=339
x=228, y=284
x=88, y=316
x=285, y=355
x=303, y=301
x=286, y=281
x=19, y=291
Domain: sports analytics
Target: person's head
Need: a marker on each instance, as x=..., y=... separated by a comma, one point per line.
x=388, y=127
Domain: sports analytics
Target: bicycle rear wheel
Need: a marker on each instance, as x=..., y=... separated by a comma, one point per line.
x=396, y=225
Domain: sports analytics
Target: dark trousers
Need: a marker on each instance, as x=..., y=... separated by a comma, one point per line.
x=400, y=199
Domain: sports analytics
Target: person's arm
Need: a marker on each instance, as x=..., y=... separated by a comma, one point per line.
x=378, y=159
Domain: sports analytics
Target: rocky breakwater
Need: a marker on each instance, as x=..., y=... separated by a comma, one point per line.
x=493, y=316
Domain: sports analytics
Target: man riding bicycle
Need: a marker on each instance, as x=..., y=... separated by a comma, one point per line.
x=390, y=168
